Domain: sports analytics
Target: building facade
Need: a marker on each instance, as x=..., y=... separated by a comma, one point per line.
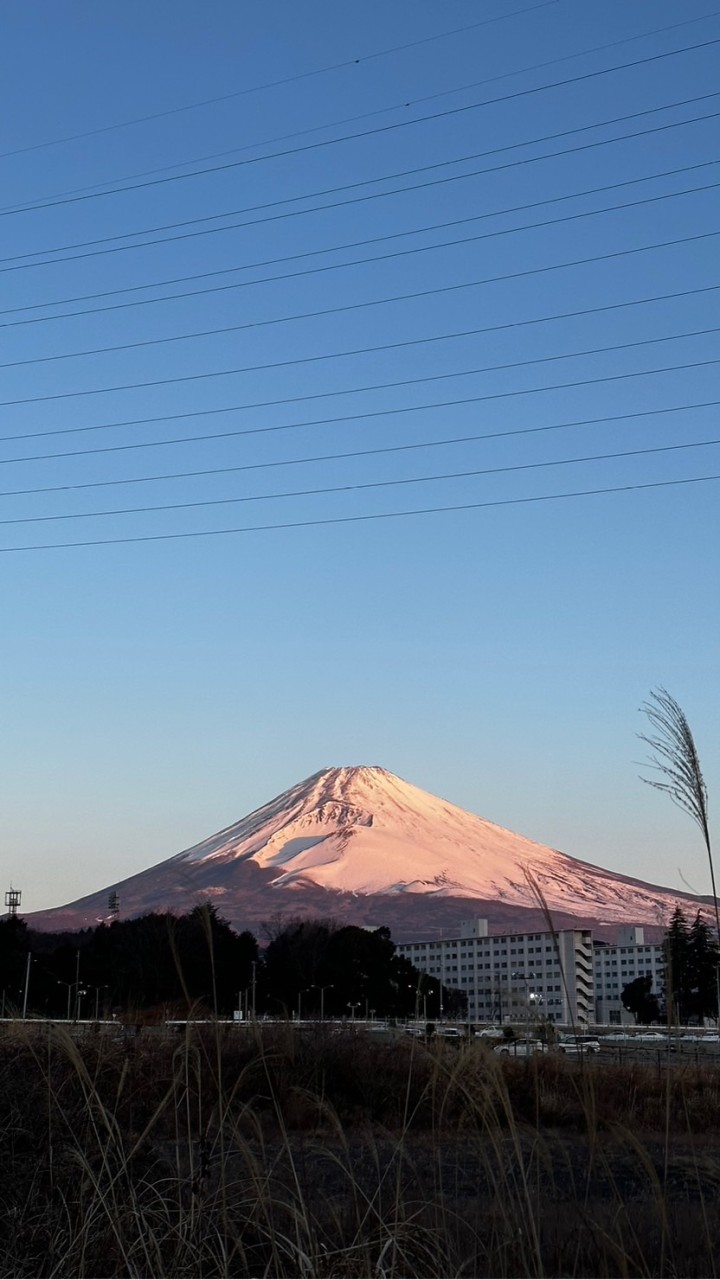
x=565, y=977
x=618, y=963
x=514, y=977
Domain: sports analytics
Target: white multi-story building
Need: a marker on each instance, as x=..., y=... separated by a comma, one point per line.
x=619, y=963
x=516, y=976
x=565, y=977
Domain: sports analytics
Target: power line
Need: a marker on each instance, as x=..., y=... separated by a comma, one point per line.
x=362, y=485
x=312, y=253
x=338, y=204
x=304, y=75
x=514, y=324
x=366, y=133
x=355, y=453
x=363, y=519
x=352, y=306
x=495, y=395
x=196, y=377
x=506, y=75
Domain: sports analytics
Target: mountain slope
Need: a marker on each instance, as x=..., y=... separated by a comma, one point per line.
x=363, y=836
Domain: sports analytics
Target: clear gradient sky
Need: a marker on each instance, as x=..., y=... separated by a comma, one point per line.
x=156, y=690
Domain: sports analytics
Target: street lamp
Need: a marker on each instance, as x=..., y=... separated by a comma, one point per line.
x=97, y=991
x=430, y=992
x=69, y=986
x=352, y=1008
x=303, y=991
x=27, y=985
x=329, y=986
x=533, y=997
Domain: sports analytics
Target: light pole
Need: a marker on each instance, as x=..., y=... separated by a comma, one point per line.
x=27, y=985
x=97, y=991
x=352, y=1008
x=329, y=986
x=537, y=999
x=69, y=986
x=254, y=986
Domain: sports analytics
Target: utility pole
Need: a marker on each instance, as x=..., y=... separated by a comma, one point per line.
x=254, y=985
x=27, y=984
x=328, y=987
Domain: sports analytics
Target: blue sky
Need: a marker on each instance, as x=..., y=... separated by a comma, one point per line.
x=157, y=689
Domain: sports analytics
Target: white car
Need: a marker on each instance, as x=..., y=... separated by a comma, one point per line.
x=520, y=1048
x=489, y=1033
x=579, y=1045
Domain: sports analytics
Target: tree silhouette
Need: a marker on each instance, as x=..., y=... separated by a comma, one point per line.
x=637, y=997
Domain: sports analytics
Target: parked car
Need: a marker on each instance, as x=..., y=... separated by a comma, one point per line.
x=579, y=1044
x=489, y=1033
x=450, y=1033
x=523, y=1048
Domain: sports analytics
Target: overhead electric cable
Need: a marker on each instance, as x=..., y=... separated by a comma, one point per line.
x=360, y=485
x=362, y=519
x=276, y=464
x=142, y=343
x=412, y=342
x=505, y=75
x=22, y=264
x=278, y=364
x=366, y=133
x=306, y=75
x=312, y=253
x=366, y=115
x=495, y=395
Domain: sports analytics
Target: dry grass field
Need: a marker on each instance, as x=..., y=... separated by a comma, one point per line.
x=272, y=1151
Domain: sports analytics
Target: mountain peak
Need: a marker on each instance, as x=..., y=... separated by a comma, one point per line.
x=359, y=832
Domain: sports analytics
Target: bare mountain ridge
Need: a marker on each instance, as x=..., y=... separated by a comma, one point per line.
x=364, y=846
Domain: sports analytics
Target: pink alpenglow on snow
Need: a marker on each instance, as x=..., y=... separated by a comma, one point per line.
x=362, y=844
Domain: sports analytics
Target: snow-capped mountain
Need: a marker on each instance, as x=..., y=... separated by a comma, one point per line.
x=365, y=846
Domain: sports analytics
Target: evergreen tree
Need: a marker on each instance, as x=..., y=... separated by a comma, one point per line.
x=692, y=957
x=677, y=966
x=703, y=959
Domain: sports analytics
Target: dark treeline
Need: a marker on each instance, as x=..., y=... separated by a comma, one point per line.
x=692, y=976
x=170, y=964
x=692, y=958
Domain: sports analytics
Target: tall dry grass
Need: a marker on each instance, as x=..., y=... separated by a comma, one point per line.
x=284, y=1152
